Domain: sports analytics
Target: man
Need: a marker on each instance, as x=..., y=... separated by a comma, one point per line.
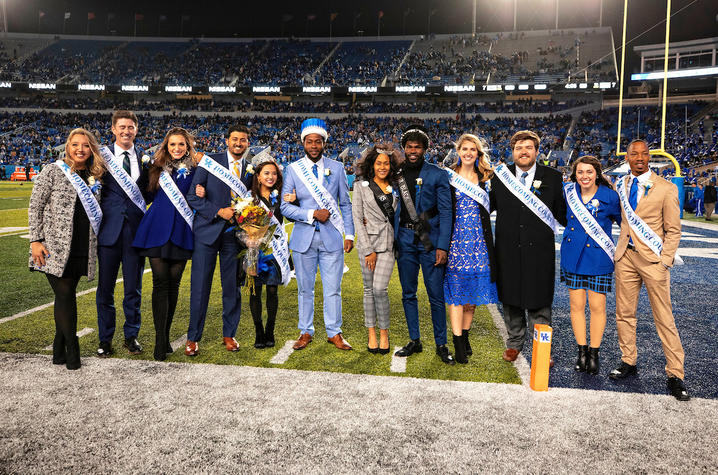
x=124, y=191
x=650, y=234
x=709, y=195
x=224, y=176
x=422, y=238
x=529, y=204
x=320, y=232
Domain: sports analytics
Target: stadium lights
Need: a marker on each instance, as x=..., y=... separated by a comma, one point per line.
x=316, y=89
x=363, y=89
x=523, y=87
x=509, y=87
x=222, y=89
x=41, y=86
x=5, y=85
x=492, y=87
x=459, y=88
x=540, y=87
x=410, y=89
x=134, y=88
x=265, y=89
x=178, y=88
x=685, y=73
x=90, y=87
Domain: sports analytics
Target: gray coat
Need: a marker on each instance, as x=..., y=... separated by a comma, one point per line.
x=378, y=234
x=52, y=206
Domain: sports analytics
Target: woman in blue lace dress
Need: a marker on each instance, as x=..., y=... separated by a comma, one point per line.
x=470, y=278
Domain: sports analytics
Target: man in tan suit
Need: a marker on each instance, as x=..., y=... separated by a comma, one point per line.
x=655, y=202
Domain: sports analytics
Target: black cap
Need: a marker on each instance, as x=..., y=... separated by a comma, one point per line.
x=415, y=133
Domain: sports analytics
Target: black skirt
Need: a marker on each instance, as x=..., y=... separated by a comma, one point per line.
x=169, y=250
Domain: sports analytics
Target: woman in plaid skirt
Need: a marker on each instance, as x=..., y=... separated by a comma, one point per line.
x=586, y=259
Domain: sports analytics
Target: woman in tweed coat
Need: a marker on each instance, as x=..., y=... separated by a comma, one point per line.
x=374, y=227
x=62, y=242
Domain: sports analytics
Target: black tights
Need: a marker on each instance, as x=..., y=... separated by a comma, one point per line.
x=264, y=334
x=166, y=278
x=65, y=348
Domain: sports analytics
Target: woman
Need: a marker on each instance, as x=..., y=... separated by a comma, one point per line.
x=165, y=232
x=64, y=217
x=266, y=186
x=374, y=208
x=587, y=258
x=470, y=278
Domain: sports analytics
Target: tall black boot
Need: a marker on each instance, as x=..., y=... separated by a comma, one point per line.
x=160, y=320
x=592, y=364
x=72, y=353
x=460, y=349
x=467, y=345
x=269, y=332
x=258, y=332
x=58, y=349
x=582, y=358
x=168, y=347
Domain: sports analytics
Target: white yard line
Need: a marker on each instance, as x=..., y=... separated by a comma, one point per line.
x=398, y=363
x=284, y=353
x=522, y=366
x=179, y=343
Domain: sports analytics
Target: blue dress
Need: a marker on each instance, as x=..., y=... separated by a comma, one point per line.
x=468, y=273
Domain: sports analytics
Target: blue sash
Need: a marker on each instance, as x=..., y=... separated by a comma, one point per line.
x=526, y=197
x=226, y=176
x=123, y=179
x=92, y=207
x=589, y=223
x=477, y=193
x=320, y=194
x=176, y=198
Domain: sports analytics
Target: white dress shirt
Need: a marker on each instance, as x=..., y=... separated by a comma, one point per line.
x=529, y=178
x=230, y=163
x=119, y=158
x=642, y=180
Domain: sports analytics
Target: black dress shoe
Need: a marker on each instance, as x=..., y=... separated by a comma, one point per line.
x=677, y=389
x=414, y=346
x=133, y=346
x=105, y=349
x=371, y=350
x=169, y=349
x=443, y=352
x=623, y=371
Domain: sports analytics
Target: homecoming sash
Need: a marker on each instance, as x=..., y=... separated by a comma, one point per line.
x=279, y=246
x=92, y=207
x=226, y=176
x=589, y=223
x=526, y=197
x=123, y=179
x=176, y=198
x=320, y=194
x=466, y=187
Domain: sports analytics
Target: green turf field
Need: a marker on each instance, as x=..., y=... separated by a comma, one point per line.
x=23, y=290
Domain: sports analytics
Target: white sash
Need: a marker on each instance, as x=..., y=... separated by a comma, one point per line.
x=176, y=198
x=123, y=179
x=474, y=191
x=280, y=248
x=589, y=223
x=526, y=197
x=640, y=228
x=92, y=207
x=320, y=194
x=223, y=173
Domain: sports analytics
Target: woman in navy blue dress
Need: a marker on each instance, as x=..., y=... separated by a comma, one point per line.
x=164, y=234
x=586, y=268
x=469, y=280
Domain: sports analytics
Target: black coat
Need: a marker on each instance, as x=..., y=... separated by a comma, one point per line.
x=486, y=228
x=525, y=247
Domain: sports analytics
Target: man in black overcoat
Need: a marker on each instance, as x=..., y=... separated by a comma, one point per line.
x=525, y=245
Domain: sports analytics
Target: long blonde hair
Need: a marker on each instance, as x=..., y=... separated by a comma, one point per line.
x=96, y=165
x=482, y=164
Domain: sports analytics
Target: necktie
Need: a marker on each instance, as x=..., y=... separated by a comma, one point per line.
x=315, y=170
x=633, y=194
x=126, y=162
x=523, y=178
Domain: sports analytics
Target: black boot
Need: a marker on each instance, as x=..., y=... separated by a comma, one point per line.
x=161, y=341
x=467, y=345
x=72, y=353
x=269, y=333
x=582, y=357
x=58, y=349
x=167, y=334
x=258, y=334
x=592, y=364
x=460, y=349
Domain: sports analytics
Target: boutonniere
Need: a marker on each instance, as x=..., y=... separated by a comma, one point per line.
x=273, y=196
x=182, y=171
x=94, y=184
x=647, y=186
x=146, y=160
x=419, y=182
x=389, y=189
x=365, y=183
x=535, y=187
x=249, y=170
x=593, y=206
x=327, y=172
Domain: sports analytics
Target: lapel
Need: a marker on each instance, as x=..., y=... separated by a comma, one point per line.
x=423, y=174
x=645, y=197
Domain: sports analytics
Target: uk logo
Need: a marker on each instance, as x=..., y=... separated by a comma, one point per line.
x=545, y=337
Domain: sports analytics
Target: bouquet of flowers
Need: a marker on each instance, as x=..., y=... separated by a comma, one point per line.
x=255, y=231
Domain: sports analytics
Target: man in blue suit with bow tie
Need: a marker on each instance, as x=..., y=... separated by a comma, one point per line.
x=323, y=230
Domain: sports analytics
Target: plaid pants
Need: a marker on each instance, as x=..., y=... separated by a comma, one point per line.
x=376, y=289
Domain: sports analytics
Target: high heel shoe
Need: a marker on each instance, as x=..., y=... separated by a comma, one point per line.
x=383, y=351
x=582, y=358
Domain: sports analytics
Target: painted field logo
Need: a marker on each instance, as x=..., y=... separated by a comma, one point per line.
x=545, y=337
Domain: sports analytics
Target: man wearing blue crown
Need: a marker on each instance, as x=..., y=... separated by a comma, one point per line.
x=323, y=228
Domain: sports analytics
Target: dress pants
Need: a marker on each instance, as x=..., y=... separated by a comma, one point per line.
x=710, y=207
x=515, y=319
x=632, y=271
x=376, y=289
x=204, y=260
x=412, y=256
x=331, y=268
x=133, y=265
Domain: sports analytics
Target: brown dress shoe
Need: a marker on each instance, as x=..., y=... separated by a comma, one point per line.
x=191, y=348
x=230, y=343
x=303, y=341
x=339, y=341
x=550, y=362
x=510, y=354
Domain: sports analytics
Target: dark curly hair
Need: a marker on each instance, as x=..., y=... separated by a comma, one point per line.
x=365, y=165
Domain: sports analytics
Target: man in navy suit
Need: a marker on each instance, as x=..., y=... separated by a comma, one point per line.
x=123, y=206
x=423, y=239
x=213, y=235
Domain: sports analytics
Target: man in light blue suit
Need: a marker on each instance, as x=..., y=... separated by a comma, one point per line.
x=323, y=228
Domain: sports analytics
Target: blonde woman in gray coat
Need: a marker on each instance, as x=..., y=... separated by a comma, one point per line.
x=64, y=217
x=374, y=210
